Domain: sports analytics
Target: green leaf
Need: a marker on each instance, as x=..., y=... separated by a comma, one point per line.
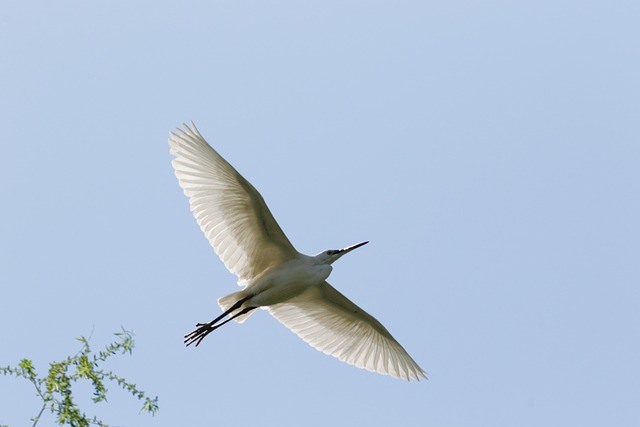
x=56, y=389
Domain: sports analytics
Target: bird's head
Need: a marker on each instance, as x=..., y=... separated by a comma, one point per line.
x=332, y=255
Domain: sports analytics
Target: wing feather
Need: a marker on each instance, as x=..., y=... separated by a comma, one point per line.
x=329, y=322
x=229, y=210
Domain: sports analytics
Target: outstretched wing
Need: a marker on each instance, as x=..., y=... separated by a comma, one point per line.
x=329, y=322
x=230, y=211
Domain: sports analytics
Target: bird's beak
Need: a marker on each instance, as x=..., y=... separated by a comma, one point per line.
x=350, y=248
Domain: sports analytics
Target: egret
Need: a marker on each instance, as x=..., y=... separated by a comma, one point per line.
x=274, y=275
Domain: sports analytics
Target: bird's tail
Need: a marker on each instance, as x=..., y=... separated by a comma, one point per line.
x=228, y=301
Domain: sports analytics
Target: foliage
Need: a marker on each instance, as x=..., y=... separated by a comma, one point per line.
x=55, y=389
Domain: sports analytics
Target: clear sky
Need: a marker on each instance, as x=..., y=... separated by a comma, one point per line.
x=490, y=151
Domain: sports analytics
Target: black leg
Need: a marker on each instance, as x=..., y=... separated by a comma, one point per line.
x=223, y=315
x=205, y=329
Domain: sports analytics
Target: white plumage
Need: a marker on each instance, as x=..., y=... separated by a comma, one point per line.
x=292, y=286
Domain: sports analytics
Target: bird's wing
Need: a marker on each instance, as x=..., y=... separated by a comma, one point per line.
x=230, y=211
x=329, y=322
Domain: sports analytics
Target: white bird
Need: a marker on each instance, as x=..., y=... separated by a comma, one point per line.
x=290, y=285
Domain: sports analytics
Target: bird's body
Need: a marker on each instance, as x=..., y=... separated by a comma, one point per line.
x=278, y=285
x=291, y=285
x=286, y=281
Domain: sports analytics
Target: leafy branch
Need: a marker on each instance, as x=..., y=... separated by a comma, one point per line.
x=55, y=390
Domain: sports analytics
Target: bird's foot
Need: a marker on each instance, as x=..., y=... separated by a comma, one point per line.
x=197, y=335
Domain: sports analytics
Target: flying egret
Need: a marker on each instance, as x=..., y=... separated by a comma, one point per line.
x=290, y=285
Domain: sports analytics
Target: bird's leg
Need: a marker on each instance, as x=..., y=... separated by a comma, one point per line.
x=206, y=328
x=202, y=327
x=226, y=313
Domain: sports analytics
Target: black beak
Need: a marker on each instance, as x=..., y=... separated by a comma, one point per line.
x=350, y=248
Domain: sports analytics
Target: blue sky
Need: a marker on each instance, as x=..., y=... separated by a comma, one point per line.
x=489, y=151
